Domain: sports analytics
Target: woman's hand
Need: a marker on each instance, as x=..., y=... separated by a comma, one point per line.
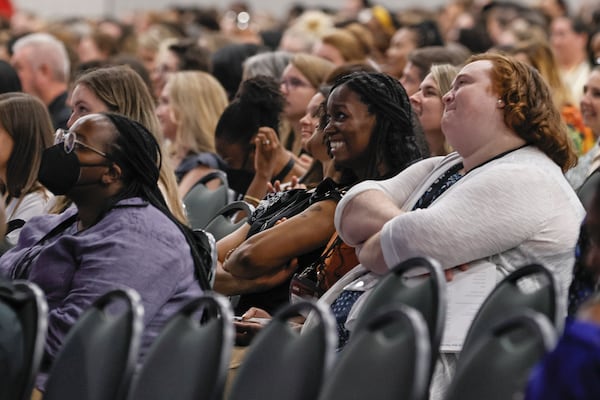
x=268, y=151
x=450, y=272
x=249, y=324
x=255, y=312
x=294, y=183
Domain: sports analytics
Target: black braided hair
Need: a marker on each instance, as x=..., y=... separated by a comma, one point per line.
x=258, y=102
x=395, y=142
x=138, y=154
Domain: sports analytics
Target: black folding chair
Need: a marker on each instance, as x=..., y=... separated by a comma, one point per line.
x=23, y=321
x=498, y=365
x=202, y=203
x=100, y=351
x=426, y=294
x=222, y=224
x=282, y=363
x=189, y=360
x=388, y=359
x=530, y=287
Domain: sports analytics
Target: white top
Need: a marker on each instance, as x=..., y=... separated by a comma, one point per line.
x=511, y=211
x=32, y=204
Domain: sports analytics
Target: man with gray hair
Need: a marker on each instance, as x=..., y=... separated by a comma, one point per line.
x=43, y=66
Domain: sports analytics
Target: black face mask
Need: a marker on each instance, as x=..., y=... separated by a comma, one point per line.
x=59, y=171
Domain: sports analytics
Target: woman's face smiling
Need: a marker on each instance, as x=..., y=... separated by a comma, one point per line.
x=349, y=129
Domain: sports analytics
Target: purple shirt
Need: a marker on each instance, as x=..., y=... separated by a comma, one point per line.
x=134, y=245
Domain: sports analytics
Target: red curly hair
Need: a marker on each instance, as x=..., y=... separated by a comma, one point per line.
x=529, y=108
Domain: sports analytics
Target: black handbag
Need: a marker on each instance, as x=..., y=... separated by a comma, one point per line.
x=289, y=203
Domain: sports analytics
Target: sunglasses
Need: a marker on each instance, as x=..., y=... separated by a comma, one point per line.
x=69, y=140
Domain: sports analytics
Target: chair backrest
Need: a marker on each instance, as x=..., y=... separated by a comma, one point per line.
x=388, y=359
x=586, y=191
x=426, y=294
x=501, y=359
x=202, y=203
x=222, y=225
x=100, y=351
x=190, y=358
x=282, y=363
x=532, y=286
x=23, y=321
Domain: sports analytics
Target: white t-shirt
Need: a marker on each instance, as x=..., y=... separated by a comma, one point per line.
x=31, y=205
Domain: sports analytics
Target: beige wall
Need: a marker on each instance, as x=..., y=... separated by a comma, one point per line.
x=61, y=8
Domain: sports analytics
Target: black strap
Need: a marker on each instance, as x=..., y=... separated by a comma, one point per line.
x=22, y=266
x=59, y=228
x=497, y=156
x=13, y=225
x=286, y=170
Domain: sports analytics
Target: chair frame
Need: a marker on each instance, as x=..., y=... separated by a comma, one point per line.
x=261, y=342
x=136, y=326
x=529, y=319
x=413, y=321
x=481, y=321
x=226, y=211
x=20, y=293
x=209, y=301
x=216, y=174
x=437, y=278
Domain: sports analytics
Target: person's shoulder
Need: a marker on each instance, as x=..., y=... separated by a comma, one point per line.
x=528, y=159
x=133, y=214
x=37, y=198
x=429, y=165
x=38, y=226
x=528, y=168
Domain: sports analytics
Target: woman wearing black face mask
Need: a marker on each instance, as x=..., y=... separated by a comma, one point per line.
x=119, y=234
x=247, y=139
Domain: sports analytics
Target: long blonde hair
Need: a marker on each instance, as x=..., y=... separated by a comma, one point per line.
x=197, y=101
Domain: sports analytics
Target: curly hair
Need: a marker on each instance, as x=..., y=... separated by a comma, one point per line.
x=529, y=107
x=395, y=141
x=257, y=103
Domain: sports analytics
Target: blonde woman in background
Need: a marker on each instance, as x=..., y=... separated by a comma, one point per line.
x=120, y=89
x=189, y=108
x=341, y=46
x=299, y=83
x=428, y=106
x=148, y=43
